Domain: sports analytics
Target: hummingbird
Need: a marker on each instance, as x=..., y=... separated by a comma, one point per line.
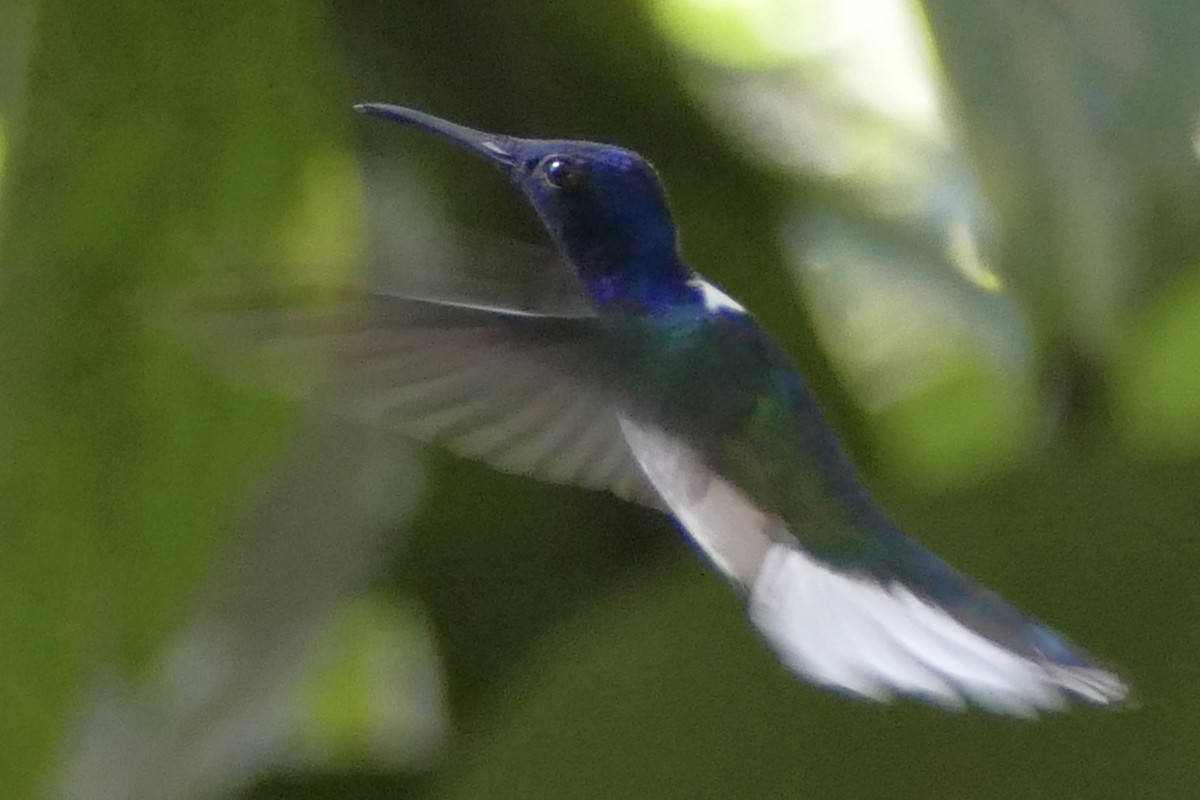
x=664, y=390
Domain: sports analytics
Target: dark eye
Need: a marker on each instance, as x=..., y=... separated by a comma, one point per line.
x=560, y=172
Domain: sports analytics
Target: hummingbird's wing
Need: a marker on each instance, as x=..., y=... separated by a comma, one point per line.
x=525, y=393
x=846, y=599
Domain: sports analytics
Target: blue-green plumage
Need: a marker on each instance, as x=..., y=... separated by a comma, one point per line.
x=669, y=393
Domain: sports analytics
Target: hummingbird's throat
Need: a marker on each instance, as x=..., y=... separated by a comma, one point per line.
x=632, y=280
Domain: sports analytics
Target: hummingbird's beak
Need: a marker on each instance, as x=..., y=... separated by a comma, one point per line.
x=497, y=149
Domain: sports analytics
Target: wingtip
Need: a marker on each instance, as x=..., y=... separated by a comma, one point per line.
x=384, y=111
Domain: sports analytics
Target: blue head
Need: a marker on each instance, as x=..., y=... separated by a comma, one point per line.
x=603, y=205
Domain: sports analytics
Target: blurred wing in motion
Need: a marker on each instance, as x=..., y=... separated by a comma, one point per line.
x=525, y=393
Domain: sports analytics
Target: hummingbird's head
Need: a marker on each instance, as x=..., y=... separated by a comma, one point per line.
x=603, y=205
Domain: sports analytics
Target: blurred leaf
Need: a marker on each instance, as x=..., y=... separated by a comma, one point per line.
x=1075, y=113
x=1159, y=374
x=221, y=703
x=372, y=691
x=943, y=367
x=965, y=424
x=148, y=135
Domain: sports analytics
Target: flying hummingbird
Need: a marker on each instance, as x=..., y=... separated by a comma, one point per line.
x=665, y=390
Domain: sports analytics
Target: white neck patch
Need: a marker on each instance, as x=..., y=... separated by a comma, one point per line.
x=714, y=298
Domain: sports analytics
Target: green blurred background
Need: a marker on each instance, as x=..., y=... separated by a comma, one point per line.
x=973, y=223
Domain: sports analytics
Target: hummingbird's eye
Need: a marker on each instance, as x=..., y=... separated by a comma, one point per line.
x=561, y=172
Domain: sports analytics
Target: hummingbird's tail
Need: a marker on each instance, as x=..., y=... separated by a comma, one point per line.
x=948, y=641
x=878, y=616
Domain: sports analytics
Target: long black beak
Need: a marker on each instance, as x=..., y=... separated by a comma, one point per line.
x=497, y=149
